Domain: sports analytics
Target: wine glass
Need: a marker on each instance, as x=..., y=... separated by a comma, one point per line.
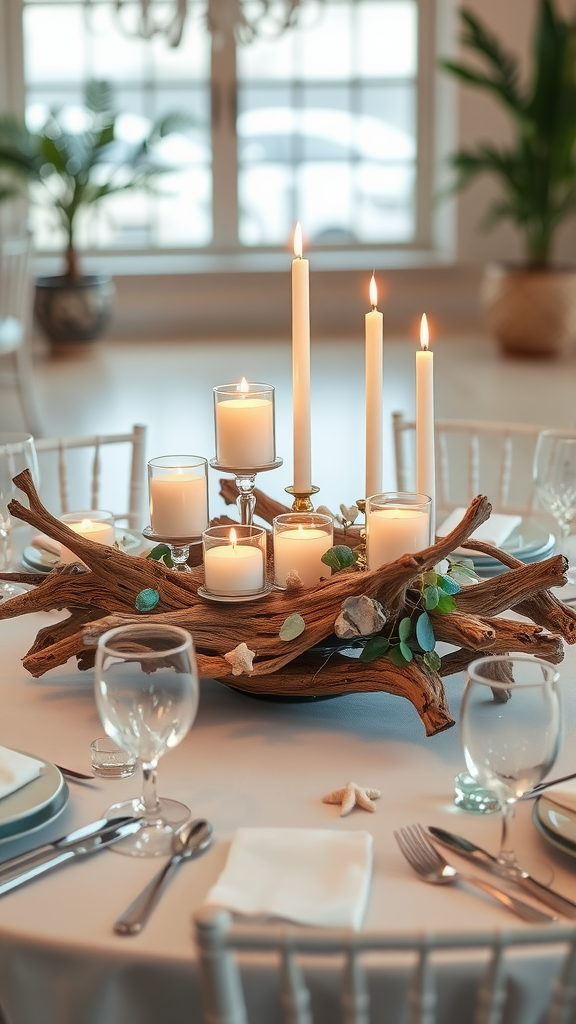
x=510, y=729
x=17, y=452
x=146, y=685
x=555, y=480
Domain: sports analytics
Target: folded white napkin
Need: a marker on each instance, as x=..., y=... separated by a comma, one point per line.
x=495, y=531
x=317, y=877
x=564, y=794
x=16, y=770
x=43, y=543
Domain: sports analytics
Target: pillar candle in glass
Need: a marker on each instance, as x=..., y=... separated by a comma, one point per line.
x=300, y=540
x=92, y=524
x=397, y=523
x=178, y=496
x=244, y=421
x=234, y=560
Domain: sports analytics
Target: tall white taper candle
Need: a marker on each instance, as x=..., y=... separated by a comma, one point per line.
x=425, y=447
x=374, y=333
x=301, y=367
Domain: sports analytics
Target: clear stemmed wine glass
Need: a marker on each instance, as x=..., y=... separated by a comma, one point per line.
x=510, y=729
x=146, y=685
x=555, y=480
x=17, y=452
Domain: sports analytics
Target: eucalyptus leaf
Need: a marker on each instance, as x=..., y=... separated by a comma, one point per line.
x=405, y=651
x=397, y=658
x=375, y=648
x=404, y=628
x=425, y=632
x=448, y=585
x=339, y=557
x=162, y=553
x=458, y=561
x=292, y=627
x=446, y=604
x=431, y=598
x=432, y=660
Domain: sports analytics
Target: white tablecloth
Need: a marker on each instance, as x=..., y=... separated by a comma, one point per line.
x=246, y=762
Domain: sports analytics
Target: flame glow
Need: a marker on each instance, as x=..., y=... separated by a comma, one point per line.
x=298, y=241
x=243, y=386
x=424, y=332
x=373, y=292
x=233, y=538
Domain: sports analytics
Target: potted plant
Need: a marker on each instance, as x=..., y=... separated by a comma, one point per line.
x=74, y=170
x=531, y=308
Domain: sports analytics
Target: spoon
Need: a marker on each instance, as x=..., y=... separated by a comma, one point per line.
x=191, y=837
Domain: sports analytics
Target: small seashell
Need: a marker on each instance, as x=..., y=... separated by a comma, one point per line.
x=360, y=616
x=146, y=600
x=241, y=659
x=293, y=581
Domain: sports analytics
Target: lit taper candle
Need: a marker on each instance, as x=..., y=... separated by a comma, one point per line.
x=374, y=333
x=425, y=447
x=301, y=367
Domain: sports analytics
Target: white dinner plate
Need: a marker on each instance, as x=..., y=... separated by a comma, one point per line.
x=35, y=804
x=557, y=824
x=44, y=561
x=531, y=541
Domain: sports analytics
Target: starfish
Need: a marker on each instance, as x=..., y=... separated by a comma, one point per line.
x=351, y=795
x=240, y=659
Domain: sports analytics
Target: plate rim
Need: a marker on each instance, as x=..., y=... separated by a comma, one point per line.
x=565, y=845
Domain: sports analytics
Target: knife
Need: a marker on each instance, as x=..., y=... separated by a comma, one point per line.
x=8, y=867
x=111, y=834
x=525, y=881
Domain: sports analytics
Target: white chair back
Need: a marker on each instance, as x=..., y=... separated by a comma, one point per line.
x=480, y=966
x=473, y=457
x=63, y=446
x=16, y=301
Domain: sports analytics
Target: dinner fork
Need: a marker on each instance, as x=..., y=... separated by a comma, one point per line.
x=431, y=866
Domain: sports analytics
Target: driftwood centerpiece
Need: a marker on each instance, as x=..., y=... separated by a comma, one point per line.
x=104, y=595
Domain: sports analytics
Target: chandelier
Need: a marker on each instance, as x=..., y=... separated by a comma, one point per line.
x=249, y=18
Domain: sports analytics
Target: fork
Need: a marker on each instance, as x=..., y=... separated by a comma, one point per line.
x=431, y=866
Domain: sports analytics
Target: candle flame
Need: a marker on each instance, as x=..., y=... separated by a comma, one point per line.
x=424, y=332
x=243, y=385
x=86, y=524
x=233, y=538
x=298, y=241
x=373, y=292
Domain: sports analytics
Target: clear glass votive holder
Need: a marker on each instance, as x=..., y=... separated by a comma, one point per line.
x=300, y=540
x=178, y=489
x=234, y=561
x=109, y=761
x=244, y=425
x=397, y=523
x=92, y=524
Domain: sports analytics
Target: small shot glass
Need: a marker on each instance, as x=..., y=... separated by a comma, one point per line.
x=109, y=761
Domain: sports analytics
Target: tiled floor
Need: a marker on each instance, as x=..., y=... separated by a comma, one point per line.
x=168, y=385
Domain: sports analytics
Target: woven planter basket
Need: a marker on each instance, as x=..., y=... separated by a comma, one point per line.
x=531, y=312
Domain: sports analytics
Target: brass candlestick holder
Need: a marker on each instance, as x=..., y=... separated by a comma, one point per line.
x=302, y=499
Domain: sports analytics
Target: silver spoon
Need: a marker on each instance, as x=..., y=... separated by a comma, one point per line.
x=192, y=837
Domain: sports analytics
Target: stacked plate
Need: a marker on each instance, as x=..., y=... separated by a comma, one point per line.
x=33, y=805
x=557, y=824
x=38, y=560
x=531, y=541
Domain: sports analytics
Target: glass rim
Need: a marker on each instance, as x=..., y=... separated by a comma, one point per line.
x=212, y=532
x=400, y=497
x=234, y=389
x=562, y=433
x=159, y=461
x=86, y=513
x=314, y=518
x=186, y=640
x=15, y=437
x=552, y=673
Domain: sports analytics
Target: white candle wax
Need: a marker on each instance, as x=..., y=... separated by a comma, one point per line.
x=301, y=368
x=245, y=432
x=393, y=532
x=178, y=505
x=100, y=533
x=301, y=549
x=233, y=569
x=374, y=334
x=425, y=445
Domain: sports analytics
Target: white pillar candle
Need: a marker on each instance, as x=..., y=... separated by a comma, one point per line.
x=425, y=445
x=178, y=503
x=374, y=333
x=301, y=368
x=100, y=533
x=245, y=430
x=301, y=549
x=233, y=569
x=395, y=531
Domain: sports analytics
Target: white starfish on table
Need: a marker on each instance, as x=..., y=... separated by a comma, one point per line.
x=351, y=795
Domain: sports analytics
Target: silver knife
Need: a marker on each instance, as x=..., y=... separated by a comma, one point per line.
x=82, y=848
x=8, y=867
x=525, y=881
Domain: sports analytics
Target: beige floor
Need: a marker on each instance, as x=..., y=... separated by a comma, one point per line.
x=168, y=385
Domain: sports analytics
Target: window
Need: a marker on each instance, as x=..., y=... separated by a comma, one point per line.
x=319, y=124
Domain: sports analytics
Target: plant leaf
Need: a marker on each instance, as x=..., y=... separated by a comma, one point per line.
x=397, y=658
x=405, y=651
x=292, y=627
x=448, y=585
x=405, y=628
x=339, y=557
x=375, y=648
x=446, y=604
x=431, y=598
x=432, y=660
x=425, y=632
x=162, y=553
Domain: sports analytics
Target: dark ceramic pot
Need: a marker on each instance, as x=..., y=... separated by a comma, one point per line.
x=74, y=311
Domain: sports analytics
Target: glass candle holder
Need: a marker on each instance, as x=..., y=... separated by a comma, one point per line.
x=92, y=524
x=178, y=489
x=234, y=561
x=244, y=424
x=397, y=523
x=300, y=540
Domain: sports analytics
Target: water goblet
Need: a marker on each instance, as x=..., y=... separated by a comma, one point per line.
x=510, y=728
x=17, y=452
x=146, y=685
x=555, y=481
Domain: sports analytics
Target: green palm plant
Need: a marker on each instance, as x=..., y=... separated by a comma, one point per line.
x=76, y=169
x=537, y=170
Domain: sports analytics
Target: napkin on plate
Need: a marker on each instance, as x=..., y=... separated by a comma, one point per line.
x=495, y=531
x=16, y=770
x=563, y=794
x=317, y=877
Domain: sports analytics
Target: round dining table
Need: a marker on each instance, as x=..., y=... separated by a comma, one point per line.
x=245, y=762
